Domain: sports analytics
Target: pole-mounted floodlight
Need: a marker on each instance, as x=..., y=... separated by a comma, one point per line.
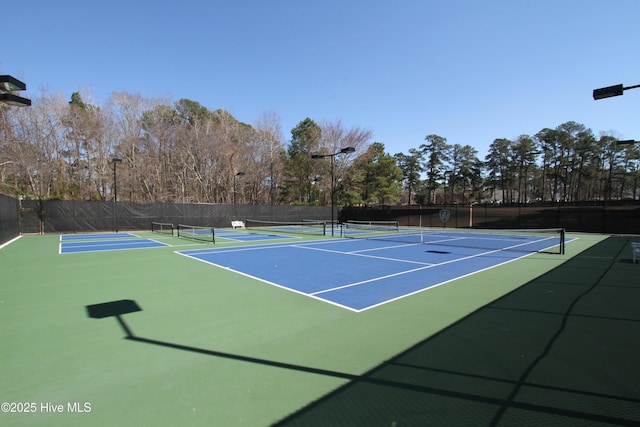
x=115, y=161
x=609, y=91
x=11, y=84
x=14, y=100
x=322, y=156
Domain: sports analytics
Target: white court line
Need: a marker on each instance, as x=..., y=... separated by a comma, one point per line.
x=114, y=245
x=286, y=288
x=421, y=268
x=10, y=241
x=194, y=254
x=364, y=255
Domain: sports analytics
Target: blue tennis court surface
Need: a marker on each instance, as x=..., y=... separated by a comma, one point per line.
x=249, y=236
x=96, y=236
x=75, y=243
x=362, y=274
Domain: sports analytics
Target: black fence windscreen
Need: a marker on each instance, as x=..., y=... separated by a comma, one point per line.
x=9, y=218
x=55, y=216
x=596, y=218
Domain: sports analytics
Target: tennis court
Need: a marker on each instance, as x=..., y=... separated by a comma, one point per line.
x=149, y=337
x=243, y=236
x=378, y=266
x=97, y=242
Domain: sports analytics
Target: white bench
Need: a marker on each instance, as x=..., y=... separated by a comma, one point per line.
x=635, y=250
x=237, y=224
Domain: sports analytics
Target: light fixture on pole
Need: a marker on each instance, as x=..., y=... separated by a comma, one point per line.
x=332, y=156
x=609, y=91
x=115, y=161
x=11, y=84
x=14, y=100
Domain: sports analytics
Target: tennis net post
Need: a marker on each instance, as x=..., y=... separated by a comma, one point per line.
x=195, y=232
x=162, y=227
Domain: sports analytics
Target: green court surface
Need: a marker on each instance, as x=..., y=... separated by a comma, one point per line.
x=545, y=340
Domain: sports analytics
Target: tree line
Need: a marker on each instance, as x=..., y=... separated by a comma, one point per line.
x=182, y=152
x=567, y=163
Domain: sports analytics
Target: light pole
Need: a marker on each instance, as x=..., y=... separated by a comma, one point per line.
x=234, y=185
x=530, y=159
x=444, y=186
x=609, y=91
x=115, y=161
x=322, y=156
x=235, y=214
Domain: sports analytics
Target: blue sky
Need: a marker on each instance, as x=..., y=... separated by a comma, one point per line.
x=470, y=71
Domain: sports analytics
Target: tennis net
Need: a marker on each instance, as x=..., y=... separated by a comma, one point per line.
x=373, y=225
x=528, y=240
x=162, y=227
x=195, y=232
x=305, y=226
